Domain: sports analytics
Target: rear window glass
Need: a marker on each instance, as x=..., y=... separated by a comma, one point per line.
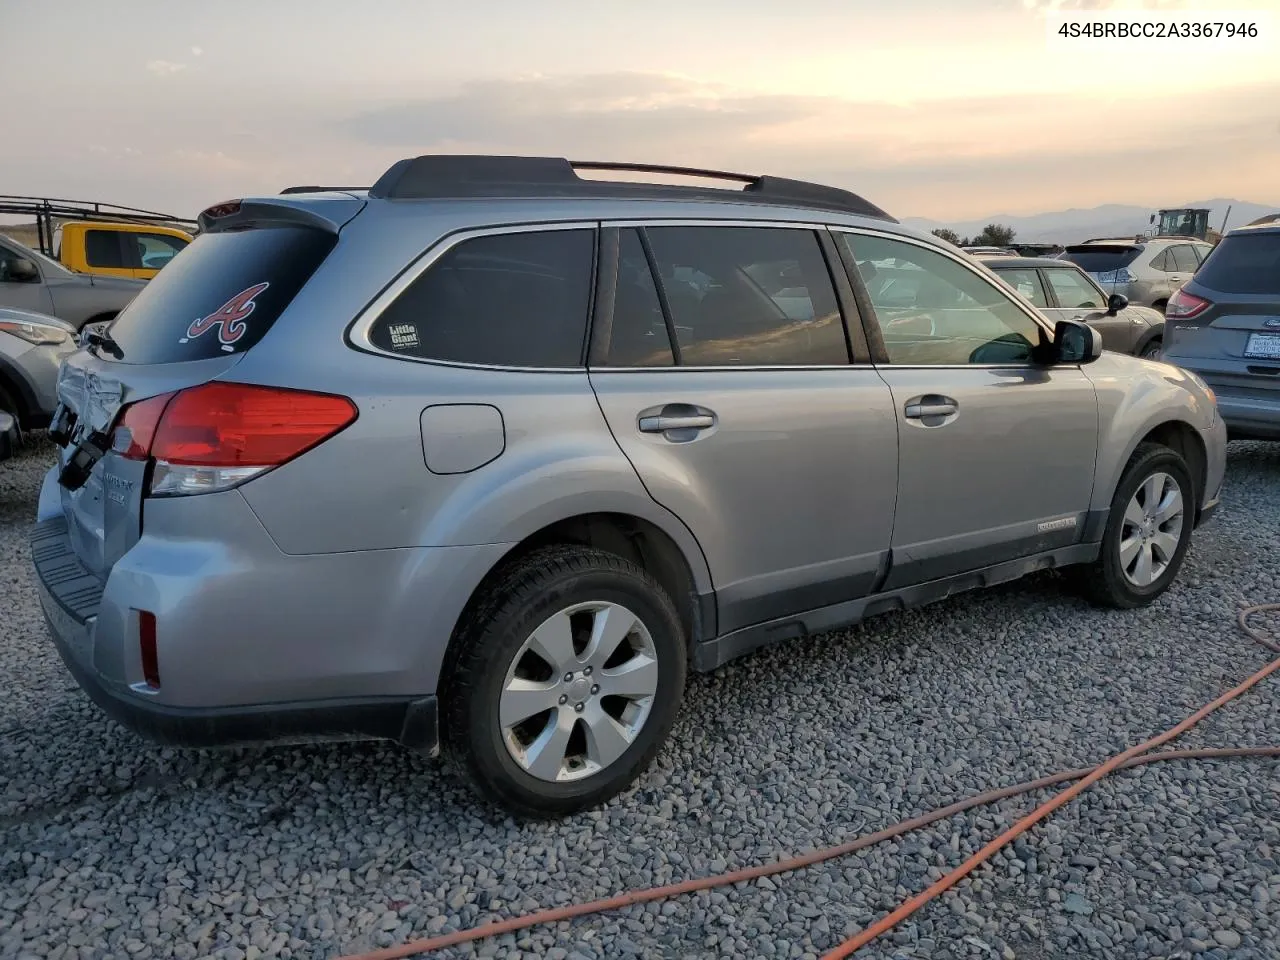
x=1101, y=259
x=221, y=296
x=1244, y=263
x=517, y=300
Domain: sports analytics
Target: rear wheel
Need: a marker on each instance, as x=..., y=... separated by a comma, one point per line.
x=1152, y=350
x=1148, y=531
x=564, y=682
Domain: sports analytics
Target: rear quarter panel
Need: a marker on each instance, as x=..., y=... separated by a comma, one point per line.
x=1135, y=397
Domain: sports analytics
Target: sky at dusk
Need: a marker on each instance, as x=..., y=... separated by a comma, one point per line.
x=948, y=109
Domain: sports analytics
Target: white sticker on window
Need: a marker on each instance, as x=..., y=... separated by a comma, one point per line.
x=404, y=336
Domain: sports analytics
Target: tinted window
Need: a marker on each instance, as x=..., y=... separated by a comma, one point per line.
x=1101, y=259
x=1163, y=262
x=753, y=296
x=1027, y=282
x=102, y=249
x=1202, y=250
x=516, y=299
x=639, y=336
x=222, y=296
x=1074, y=291
x=1244, y=263
x=1184, y=258
x=932, y=310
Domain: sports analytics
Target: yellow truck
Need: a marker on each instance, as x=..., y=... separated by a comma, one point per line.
x=108, y=249
x=102, y=239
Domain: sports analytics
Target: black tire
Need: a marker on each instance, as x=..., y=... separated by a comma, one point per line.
x=1104, y=581
x=1151, y=350
x=9, y=404
x=500, y=619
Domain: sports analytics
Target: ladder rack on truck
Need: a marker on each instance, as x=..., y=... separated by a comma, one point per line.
x=46, y=211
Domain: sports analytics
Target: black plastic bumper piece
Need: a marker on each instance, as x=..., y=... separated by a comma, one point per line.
x=70, y=597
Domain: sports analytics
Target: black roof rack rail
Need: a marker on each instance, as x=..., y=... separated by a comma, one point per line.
x=47, y=210
x=441, y=176
x=314, y=189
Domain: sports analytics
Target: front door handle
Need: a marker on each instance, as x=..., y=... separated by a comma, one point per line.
x=661, y=424
x=936, y=407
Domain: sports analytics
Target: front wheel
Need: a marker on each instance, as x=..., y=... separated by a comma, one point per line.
x=1148, y=530
x=564, y=682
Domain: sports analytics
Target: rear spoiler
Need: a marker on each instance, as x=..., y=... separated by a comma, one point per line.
x=329, y=213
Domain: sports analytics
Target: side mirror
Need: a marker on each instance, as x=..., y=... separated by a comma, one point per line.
x=1115, y=303
x=1076, y=342
x=20, y=270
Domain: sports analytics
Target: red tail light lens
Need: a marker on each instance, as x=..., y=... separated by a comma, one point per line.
x=1184, y=306
x=137, y=427
x=238, y=425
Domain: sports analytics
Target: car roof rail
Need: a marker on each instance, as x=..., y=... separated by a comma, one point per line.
x=315, y=189
x=448, y=176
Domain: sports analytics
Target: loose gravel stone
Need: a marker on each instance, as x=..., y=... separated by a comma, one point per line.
x=108, y=842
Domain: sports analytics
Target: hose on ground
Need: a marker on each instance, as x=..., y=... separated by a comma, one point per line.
x=1086, y=777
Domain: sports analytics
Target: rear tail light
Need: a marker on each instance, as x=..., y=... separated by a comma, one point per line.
x=217, y=435
x=1185, y=306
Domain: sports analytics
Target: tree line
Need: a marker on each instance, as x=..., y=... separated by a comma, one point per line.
x=992, y=235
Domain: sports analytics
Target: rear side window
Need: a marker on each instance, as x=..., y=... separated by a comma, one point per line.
x=515, y=300
x=1100, y=259
x=748, y=296
x=1184, y=258
x=221, y=296
x=102, y=249
x=1244, y=263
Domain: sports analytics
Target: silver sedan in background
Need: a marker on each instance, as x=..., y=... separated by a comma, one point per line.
x=32, y=346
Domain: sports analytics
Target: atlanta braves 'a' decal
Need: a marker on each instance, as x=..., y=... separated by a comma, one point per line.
x=230, y=317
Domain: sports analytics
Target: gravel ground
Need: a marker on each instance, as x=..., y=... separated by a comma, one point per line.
x=113, y=847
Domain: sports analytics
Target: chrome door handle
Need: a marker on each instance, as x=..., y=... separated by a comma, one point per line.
x=917, y=411
x=661, y=424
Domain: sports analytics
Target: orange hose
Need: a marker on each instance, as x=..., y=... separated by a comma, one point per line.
x=1133, y=757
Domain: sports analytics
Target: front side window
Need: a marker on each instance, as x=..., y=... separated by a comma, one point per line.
x=932, y=310
x=1027, y=283
x=154, y=250
x=747, y=296
x=102, y=249
x=1073, y=291
x=515, y=299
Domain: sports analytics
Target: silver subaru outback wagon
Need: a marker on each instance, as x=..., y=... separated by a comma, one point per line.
x=487, y=456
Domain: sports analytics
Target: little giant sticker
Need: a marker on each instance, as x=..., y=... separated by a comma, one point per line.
x=404, y=336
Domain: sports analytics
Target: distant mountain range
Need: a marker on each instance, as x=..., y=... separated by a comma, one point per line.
x=1108, y=220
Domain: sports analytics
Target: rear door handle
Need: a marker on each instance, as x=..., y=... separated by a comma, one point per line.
x=937, y=408
x=661, y=423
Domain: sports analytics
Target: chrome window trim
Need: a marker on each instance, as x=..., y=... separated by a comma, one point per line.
x=357, y=334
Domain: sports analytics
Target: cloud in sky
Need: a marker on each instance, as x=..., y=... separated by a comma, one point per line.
x=930, y=107
x=165, y=68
